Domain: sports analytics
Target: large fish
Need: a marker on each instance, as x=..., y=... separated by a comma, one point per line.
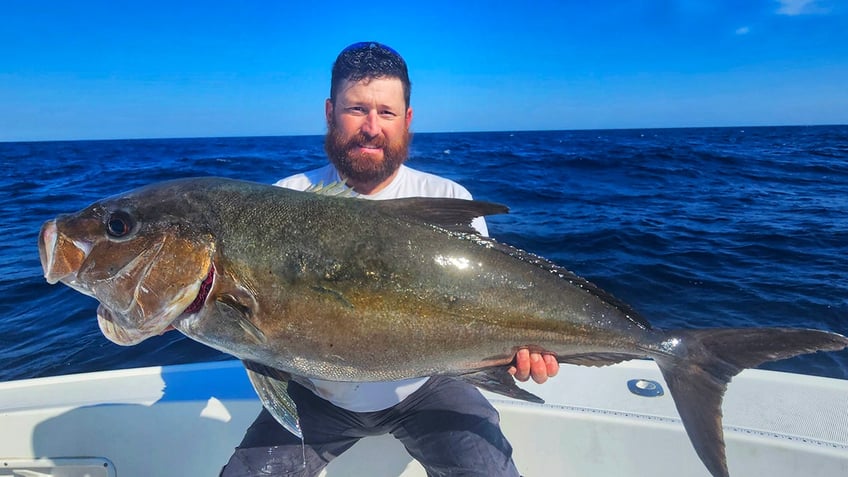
x=316, y=286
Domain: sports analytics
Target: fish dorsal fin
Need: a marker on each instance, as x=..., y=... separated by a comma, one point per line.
x=333, y=189
x=454, y=215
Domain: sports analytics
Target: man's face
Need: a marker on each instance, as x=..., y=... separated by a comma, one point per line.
x=368, y=130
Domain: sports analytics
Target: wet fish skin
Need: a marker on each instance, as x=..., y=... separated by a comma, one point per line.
x=354, y=290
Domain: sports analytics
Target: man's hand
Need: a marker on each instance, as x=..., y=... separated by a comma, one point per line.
x=538, y=366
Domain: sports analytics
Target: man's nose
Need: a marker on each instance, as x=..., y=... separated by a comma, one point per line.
x=371, y=126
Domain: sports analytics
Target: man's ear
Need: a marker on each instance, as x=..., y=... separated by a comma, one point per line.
x=328, y=110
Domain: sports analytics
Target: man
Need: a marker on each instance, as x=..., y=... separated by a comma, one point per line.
x=444, y=423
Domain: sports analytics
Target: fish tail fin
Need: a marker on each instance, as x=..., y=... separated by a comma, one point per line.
x=700, y=363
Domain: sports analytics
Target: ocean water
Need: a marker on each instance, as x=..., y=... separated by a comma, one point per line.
x=693, y=227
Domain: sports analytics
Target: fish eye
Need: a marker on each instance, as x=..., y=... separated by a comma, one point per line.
x=119, y=224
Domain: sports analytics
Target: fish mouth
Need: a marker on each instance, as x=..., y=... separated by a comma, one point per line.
x=202, y=294
x=60, y=257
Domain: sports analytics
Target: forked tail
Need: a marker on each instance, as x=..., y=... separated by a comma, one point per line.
x=698, y=364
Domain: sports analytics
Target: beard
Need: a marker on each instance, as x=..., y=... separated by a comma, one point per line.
x=364, y=168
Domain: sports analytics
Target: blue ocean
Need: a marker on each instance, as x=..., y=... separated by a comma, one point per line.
x=711, y=227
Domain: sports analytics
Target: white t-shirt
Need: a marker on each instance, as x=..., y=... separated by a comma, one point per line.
x=376, y=396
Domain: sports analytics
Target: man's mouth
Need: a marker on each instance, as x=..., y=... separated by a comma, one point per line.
x=370, y=147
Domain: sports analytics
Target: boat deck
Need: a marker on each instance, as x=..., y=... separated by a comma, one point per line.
x=185, y=420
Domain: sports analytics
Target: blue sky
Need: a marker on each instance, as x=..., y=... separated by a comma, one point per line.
x=107, y=69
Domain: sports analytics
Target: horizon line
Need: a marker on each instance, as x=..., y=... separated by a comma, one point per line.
x=649, y=128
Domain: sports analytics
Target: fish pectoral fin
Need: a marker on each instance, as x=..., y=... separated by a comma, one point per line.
x=595, y=359
x=271, y=385
x=233, y=309
x=498, y=380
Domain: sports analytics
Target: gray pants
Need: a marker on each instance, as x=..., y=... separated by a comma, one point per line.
x=446, y=425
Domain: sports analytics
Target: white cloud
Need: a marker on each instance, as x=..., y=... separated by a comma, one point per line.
x=799, y=7
x=743, y=30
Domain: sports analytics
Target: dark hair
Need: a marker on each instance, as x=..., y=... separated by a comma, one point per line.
x=369, y=60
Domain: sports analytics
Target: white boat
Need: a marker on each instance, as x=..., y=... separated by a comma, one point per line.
x=185, y=420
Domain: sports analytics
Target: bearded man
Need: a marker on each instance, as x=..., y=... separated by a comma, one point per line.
x=443, y=422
